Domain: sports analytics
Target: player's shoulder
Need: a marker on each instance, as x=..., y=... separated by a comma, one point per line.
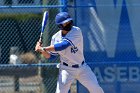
x=76, y=28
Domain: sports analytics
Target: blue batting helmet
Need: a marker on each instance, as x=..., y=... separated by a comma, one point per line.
x=62, y=18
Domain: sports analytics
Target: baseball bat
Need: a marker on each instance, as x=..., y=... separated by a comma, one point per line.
x=44, y=22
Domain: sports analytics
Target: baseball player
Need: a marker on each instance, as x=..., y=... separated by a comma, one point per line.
x=68, y=43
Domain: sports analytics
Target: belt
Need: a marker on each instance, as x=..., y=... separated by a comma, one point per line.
x=74, y=66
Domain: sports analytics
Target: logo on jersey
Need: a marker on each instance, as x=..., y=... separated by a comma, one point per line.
x=74, y=50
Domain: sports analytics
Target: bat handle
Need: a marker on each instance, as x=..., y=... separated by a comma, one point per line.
x=40, y=39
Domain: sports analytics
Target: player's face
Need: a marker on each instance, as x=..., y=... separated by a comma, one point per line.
x=66, y=26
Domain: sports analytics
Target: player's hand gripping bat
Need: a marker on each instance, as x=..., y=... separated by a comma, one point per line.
x=44, y=22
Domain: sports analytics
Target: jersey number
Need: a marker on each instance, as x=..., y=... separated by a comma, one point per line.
x=74, y=50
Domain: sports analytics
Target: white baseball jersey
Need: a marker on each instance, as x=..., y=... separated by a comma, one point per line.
x=74, y=53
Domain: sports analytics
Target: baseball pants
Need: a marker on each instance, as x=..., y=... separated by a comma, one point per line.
x=83, y=74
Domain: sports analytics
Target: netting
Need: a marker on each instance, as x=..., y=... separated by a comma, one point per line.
x=111, y=43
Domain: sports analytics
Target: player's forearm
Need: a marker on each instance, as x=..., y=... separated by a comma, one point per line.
x=45, y=54
x=49, y=48
x=48, y=55
x=57, y=47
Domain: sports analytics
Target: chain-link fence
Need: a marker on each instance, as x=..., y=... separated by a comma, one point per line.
x=20, y=27
x=111, y=34
x=111, y=41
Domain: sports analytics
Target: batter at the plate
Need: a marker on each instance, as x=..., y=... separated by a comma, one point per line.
x=68, y=43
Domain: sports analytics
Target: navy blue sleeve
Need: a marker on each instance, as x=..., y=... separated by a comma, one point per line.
x=52, y=57
x=61, y=46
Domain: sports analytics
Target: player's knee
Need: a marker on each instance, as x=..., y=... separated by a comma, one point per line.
x=62, y=89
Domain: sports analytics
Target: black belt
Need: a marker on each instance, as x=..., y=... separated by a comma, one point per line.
x=74, y=66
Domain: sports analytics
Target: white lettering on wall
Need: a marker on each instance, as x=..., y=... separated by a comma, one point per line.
x=134, y=17
x=114, y=73
x=110, y=18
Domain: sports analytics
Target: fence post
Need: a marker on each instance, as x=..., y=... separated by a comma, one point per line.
x=14, y=59
x=16, y=83
x=75, y=12
x=65, y=5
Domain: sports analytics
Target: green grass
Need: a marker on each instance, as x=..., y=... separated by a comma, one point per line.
x=20, y=16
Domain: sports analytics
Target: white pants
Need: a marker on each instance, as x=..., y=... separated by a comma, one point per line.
x=83, y=74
